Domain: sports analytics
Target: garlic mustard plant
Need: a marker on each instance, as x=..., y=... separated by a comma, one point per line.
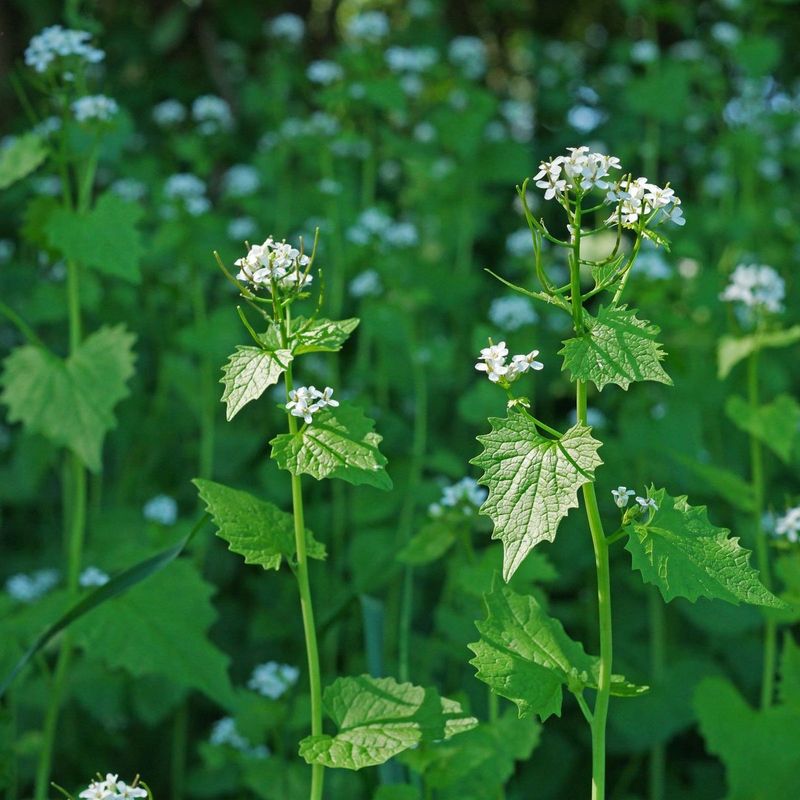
x=534, y=472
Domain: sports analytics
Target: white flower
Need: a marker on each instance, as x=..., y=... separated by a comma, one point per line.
x=168, y=113
x=92, y=576
x=621, y=495
x=212, y=114
x=469, y=54
x=519, y=243
x=646, y=502
x=224, y=732
x=161, y=509
x=97, y=790
x=305, y=401
x=55, y=43
x=410, y=59
x=94, y=107
x=366, y=284
x=512, y=312
x=584, y=118
x=241, y=180
x=324, y=72
x=190, y=191
x=520, y=119
x=129, y=189
x=273, y=679
x=464, y=496
x=522, y=363
x=274, y=261
x=241, y=228
x=789, y=525
x=124, y=792
x=493, y=363
x=288, y=27
x=368, y=26
x=28, y=588
x=644, y=51
x=641, y=200
x=581, y=170
x=758, y=286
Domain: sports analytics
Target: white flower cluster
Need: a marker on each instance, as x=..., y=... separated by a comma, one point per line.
x=94, y=107
x=520, y=119
x=469, y=54
x=757, y=286
x=512, y=312
x=93, y=577
x=111, y=788
x=373, y=226
x=129, y=189
x=639, y=199
x=241, y=180
x=465, y=496
x=190, y=190
x=305, y=401
x=28, y=588
x=580, y=170
x=366, y=284
x=493, y=363
x=224, y=732
x=289, y=27
x=161, y=509
x=368, y=26
x=324, y=72
x=57, y=42
x=789, y=525
x=410, y=59
x=273, y=679
x=274, y=261
x=622, y=495
x=212, y=114
x=242, y=228
x=168, y=113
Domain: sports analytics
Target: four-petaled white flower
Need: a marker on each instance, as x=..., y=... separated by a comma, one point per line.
x=756, y=286
x=789, y=525
x=621, y=495
x=274, y=261
x=641, y=200
x=581, y=170
x=647, y=502
x=493, y=363
x=305, y=401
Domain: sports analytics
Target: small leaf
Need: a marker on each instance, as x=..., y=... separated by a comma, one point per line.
x=775, y=424
x=533, y=481
x=20, y=158
x=71, y=402
x=429, y=544
x=379, y=718
x=248, y=373
x=733, y=349
x=339, y=443
x=105, y=238
x=526, y=656
x=617, y=347
x=684, y=555
x=253, y=528
x=322, y=335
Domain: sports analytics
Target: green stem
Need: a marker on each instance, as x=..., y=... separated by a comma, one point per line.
x=600, y=713
x=180, y=739
x=575, y=270
x=762, y=551
x=658, y=753
x=306, y=605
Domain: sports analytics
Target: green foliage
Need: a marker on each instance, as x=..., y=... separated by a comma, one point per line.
x=253, y=528
x=20, y=158
x=431, y=542
x=760, y=763
x=106, y=238
x=248, y=373
x=160, y=628
x=616, y=347
x=735, y=490
x=340, y=443
x=775, y=424
x=533, y=481
x=38, y=387
x=684, y=555
x=322, y=335
x=789, y=687
x=733, y=349
x=526, y=656
x=378, y=718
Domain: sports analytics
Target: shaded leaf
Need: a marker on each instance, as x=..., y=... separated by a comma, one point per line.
x=737, y=491
x=617, y=347
x=431, y=542
x=71, y=401
x=775, y=424
x=533, y=481
x=378, y=718
x=20, y=158
x=253, y=528
x=733, y=349
x=339, y=443
x=248, y=373
x=789, y=686
x=684, y=555
x=322, y=335
x=105, y=238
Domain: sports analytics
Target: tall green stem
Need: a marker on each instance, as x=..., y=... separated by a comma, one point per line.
x=762, y=552
x=306, y=605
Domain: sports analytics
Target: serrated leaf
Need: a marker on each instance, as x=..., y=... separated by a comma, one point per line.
x=71, y=401
x=760, y=761
x=106, y=238
x=253, y=528
x=617, y=347
x=533, y=481
x=775, y=424
x=248, y=373
x=684, y=555
x=161, y=628
x=378, y=718
x=322, y=335
x=20, y=158
x=339, y=443
x=526, y=656
x=431, y=542
x=733, y=349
